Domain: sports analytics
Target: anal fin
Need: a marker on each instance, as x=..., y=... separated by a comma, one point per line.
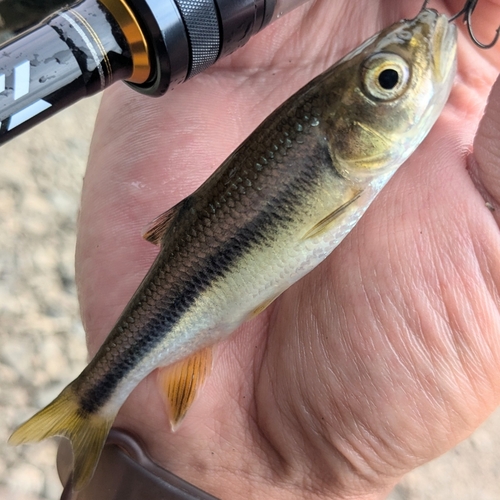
x=181, y=382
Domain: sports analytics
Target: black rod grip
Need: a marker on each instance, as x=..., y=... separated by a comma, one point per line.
x=74, y=53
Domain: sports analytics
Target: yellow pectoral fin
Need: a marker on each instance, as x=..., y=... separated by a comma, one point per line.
x=180, y=383
x=262, y=307
x=326, y=223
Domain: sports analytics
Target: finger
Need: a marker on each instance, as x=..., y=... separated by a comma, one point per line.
x=485, y=161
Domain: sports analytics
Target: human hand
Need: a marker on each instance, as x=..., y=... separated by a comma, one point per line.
x=379, y=360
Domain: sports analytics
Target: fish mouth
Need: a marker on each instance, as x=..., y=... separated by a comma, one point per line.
x=443, y=47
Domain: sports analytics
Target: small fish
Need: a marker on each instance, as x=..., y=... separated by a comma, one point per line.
x=271, y=213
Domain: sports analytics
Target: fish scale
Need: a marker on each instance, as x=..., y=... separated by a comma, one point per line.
x=272, y=212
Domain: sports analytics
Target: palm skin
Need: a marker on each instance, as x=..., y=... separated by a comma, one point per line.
x=385, y=356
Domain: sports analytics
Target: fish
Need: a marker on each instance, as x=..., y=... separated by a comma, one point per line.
x=274, y=209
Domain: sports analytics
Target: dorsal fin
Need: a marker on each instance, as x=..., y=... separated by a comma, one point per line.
x=325, y=223
x=157, y=228
x=181, y=382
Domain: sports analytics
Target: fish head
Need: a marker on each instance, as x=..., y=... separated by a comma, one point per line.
x=387, y=94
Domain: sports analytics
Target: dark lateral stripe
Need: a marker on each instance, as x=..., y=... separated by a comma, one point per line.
x=279, y=212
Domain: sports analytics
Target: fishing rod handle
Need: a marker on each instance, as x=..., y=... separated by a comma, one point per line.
x=153, y=45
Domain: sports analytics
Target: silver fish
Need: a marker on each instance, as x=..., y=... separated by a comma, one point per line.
x=271, y=213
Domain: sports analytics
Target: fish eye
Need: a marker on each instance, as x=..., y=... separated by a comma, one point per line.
x=385, y=76
x=388, y=78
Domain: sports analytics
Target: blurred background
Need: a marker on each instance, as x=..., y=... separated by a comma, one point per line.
x=17, y=15
x=42, y=343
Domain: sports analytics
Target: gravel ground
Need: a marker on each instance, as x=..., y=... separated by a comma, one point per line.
x=41, y=336
x=42, y=340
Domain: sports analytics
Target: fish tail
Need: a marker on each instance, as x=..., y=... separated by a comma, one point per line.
x=64, y=417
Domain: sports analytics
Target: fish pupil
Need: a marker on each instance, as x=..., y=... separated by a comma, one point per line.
x=388, y=79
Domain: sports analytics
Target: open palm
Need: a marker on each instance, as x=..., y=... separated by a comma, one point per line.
x=385, y=356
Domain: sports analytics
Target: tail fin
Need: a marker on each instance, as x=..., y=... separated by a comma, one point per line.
x=64, y=417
